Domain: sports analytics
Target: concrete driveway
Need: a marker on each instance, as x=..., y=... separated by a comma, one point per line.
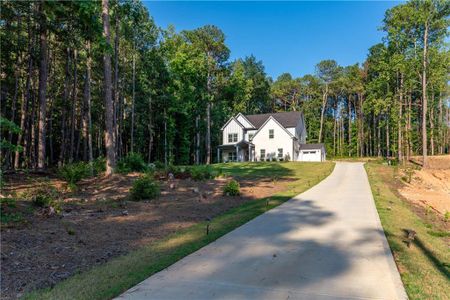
x=326, y=243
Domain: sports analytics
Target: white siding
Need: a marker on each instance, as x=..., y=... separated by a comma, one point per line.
x=311, y=155
x=247, y=132
x=244, y=121
x=281, y=140
x=232, y=127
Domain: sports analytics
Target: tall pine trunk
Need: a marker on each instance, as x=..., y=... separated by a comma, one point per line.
x=109, y=109
x=43, y=74
x=424, y=97
x=324, y=103
x=87, y=122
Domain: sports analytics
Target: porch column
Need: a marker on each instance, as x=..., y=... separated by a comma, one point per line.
x=237, y=153
x=218, y=155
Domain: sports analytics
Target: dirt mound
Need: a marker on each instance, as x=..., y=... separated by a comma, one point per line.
x=430, y=188
x=437, y=162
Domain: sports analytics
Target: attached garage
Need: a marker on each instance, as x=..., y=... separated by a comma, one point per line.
x=312, y=152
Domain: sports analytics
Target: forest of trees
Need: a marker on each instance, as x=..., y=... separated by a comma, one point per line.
x=86, y=79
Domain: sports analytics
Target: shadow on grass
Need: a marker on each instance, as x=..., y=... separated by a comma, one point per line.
x=256, y=169
x=442, y=267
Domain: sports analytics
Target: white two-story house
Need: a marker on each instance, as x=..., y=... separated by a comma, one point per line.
x=267, y=137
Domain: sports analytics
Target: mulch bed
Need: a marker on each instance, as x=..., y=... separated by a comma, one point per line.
x=97, y=223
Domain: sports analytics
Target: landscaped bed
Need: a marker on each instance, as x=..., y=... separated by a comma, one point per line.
x=97, y=223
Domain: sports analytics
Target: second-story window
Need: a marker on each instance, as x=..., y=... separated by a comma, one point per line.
x=232, y=137
x=271, y=134
x=250, y=136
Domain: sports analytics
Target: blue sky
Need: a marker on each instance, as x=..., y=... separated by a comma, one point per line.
x=287, y=36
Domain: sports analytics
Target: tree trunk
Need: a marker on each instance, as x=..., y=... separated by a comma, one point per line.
x=440, y=125
x=26, y=99
x=208, y=119
x=432, y=129
x=150, y=130
x=132, y=100
x=87, y=122
x=43, y=73
x=400, y=118
x=109, y=109
x=197, y=140
x=424, y=97
x=74, y=103
x=116, y=82
x=324, y=103
x=349, y=126
x=62, y=154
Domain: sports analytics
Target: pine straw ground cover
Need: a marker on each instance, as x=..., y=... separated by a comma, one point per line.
x=118, y=274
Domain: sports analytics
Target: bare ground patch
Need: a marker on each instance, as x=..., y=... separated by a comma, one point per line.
x=430, y=188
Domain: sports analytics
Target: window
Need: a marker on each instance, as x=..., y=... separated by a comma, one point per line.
x=280, y=153
x=232, y=156
x=262, y=154
x=232, y=137
x=250, y=136
x=271, y=134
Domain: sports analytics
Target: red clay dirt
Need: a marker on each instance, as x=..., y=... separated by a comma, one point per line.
x=430, y=187
x=97, y=223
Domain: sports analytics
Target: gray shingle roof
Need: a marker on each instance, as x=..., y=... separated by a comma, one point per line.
x=311, y=146
x=286, y=119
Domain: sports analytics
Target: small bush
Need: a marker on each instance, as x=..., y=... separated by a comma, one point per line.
x=7, y=203
x=99, y=165
x=46, y=197
x=72, y=173
x=8, y=218
x=144, y=188
x=232, y=188
x=202, y=172
x=133, y=162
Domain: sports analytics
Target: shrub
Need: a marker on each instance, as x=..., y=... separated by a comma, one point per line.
x=145, y=187
x=7, y=203
x=99, y=165
x=232, y=188
x=7, y=218
x=133, y=162
x=72, y=173
x=45, y=197
x=202, y=172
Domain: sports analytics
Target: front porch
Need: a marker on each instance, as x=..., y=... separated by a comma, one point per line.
x=237, y=152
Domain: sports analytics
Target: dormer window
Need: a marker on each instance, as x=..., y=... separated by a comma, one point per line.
x=250, y=136
x=271, y=134
x=232, y=137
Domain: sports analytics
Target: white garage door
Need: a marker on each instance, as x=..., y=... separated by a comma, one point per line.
x=311, y=155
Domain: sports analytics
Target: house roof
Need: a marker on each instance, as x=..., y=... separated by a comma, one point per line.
x=311, y=146
x=272, y=118
x=229, y=120
x=286, y=119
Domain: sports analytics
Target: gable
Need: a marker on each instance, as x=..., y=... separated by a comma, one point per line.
x=243, y=120
x=232, y=120
x=272, y=122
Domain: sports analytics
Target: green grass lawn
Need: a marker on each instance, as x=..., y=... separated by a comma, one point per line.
x=120, y=274
x=425, y=265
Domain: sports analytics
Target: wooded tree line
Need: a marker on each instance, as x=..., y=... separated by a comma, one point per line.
x=85, y=79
